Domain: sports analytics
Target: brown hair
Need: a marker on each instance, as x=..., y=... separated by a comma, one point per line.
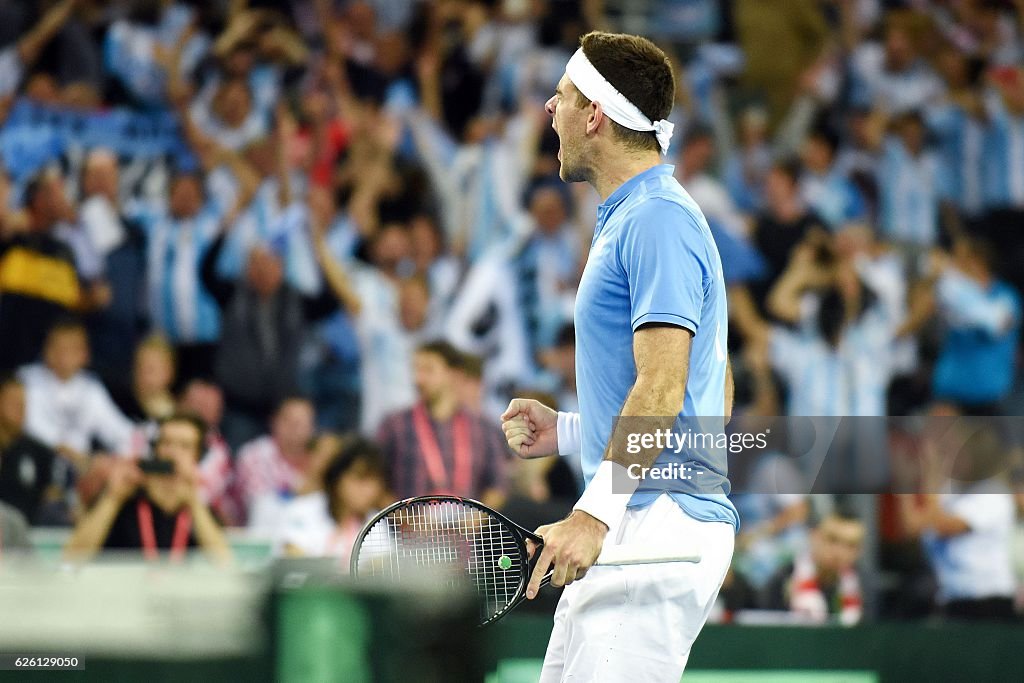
x=639, y=70
x=195, y=422
x=451, y=356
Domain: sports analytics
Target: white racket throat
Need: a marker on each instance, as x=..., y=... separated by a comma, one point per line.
x=648, y=553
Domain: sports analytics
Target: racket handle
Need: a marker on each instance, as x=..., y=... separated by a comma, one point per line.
x=638, y=553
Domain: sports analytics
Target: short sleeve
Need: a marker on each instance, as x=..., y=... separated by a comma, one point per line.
x=664, y=253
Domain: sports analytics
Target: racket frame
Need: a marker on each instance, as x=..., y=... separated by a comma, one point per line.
x=521, y=533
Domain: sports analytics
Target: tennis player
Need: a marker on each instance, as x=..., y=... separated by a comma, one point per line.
x=651, y=326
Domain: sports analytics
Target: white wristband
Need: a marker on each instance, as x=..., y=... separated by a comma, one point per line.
x=600, y=502
x=570, y=440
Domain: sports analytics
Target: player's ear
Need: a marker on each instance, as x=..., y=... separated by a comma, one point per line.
x=594, y=118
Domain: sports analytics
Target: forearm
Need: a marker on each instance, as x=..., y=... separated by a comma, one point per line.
x=209, y=534
x=653, y=406
x=966, y=300
x=743, y=312
x=42, y=33
x=248, y=179
x=929, y=516
x=784, y=298
x=91, y=531
x=335, y=276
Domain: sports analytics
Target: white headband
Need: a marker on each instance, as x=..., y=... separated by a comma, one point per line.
x=589, y=81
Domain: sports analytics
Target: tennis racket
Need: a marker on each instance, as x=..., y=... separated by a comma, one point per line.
x=464, y=545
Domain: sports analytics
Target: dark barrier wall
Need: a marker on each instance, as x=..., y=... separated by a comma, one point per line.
x=898, y=653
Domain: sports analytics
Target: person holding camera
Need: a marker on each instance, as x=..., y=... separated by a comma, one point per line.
x=154, y=505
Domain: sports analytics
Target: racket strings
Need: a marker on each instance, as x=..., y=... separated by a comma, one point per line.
x=451, y=544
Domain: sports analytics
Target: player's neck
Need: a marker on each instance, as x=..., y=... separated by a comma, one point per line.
x=614, y=170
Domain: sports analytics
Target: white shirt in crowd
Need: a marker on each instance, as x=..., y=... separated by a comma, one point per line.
x=72, y=413
x=265, y=480
x=849, y=380
x=102, y=224
x=385, y=349
x=306, y=526
x=976, y=564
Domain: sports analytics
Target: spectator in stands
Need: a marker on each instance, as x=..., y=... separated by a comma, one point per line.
x=469, y=383
x=822, y=583
x=271, y=468
x=436, y=265
x=909, y=183
x=178, y=238
x=326, y=523
x=774, y=507
x=784, y=223
x=68, y=409
x=958, y=123
x=695, y=173
x=967, y=534
x=205, y=400
x=120, y=246
x=154, y=511
x=512, y=324
x=264, y=323
x=38, y=278
x=151, y=398
x=982, y=316
x=19, y=57
x=26, y=465
x=437, y=446
x=826, y=190
x=385, y=344
x=895, y=76
x=839, y=360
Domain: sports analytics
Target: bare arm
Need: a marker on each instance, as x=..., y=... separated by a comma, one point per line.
x=91, y=531
x=32, y=44
x=801, y=274
x=334, y=274
x=919, y=517
x=743, y=312
x=662, y=357
x=284, y=130
x=208, y=533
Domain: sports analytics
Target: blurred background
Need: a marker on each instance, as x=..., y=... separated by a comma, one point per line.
x=329, y=241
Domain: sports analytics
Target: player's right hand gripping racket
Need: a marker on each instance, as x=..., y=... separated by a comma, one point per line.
x=469, y=546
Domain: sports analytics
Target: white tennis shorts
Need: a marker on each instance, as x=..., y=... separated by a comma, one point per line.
x=638, y=623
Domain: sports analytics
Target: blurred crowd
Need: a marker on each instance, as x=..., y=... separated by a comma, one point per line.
x=305, y=251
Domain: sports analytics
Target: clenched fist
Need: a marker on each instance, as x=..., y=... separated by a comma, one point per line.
x=530, y=428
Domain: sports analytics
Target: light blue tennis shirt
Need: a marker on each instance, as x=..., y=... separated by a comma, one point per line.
x=652, y=260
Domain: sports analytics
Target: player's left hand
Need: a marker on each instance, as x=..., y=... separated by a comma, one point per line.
x=571, y=547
